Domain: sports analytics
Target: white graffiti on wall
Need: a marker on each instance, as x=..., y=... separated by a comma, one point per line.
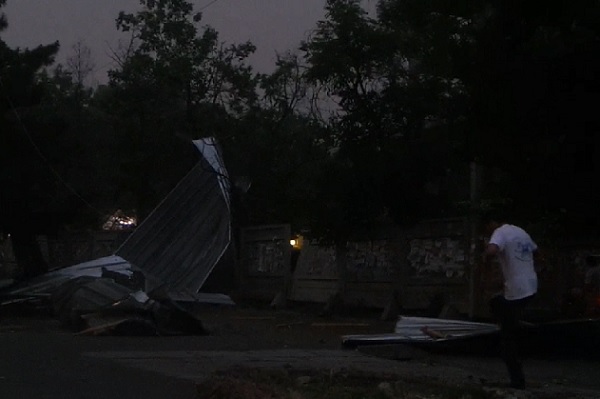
x=366, y=261
x=437, y=256
x=370, y=260
x=266, y=257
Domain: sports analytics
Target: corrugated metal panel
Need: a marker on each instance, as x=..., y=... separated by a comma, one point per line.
x=209, y=149
x=45, y=284
x=418, y=330
x=181, y=241
x=87, y=296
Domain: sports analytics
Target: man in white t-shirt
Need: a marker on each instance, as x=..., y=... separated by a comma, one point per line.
x=515, y=250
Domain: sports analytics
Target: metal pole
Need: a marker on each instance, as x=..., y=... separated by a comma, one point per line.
x=473, y=224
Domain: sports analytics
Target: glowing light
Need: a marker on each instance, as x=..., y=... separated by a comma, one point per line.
x=120, y=221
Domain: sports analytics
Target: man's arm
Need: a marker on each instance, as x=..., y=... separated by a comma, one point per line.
x=490, y=251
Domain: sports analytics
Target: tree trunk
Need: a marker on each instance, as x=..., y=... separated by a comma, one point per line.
x=28, y=254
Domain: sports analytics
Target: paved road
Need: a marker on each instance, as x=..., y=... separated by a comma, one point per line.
x=48, y=365
x=42, y=361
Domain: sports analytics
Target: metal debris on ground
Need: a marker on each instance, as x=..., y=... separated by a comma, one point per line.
x=151, y=284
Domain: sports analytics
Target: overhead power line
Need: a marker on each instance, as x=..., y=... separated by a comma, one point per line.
x=204, y=7
x=39, y=152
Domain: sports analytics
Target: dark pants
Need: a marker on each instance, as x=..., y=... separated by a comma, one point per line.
x=508, y=314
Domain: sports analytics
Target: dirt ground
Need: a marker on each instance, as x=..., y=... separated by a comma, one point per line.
x=301, y=327
x=252, y=351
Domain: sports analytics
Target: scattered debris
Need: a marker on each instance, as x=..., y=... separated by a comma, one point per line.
x=439, y=335
x=130, y=326
x=424, y=331
x=340, y=324
x=433, y=333
x=576, y=338
x=186, y=235
x=151, y=285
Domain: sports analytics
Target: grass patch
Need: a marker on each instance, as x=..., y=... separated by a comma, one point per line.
x=246, y=383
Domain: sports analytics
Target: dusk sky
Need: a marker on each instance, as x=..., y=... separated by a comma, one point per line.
x=272, y=25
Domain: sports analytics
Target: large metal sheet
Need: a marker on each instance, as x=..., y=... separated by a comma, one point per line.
x=430, y=332
x=182, y=240
x=45, y=284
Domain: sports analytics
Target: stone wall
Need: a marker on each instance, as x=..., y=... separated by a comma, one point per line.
x=420, y=265
x=264, y=265
x=64, y=250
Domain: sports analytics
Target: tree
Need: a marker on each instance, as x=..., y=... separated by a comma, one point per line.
x=277, y=146
x=428, y=87
x=535, y=94
x=78, y=141
x=507, y=85
x=175, y=83
x=80, y=65
x=24, y=210
x=393, y=125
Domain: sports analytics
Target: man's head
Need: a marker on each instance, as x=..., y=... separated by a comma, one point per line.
x=491, y=219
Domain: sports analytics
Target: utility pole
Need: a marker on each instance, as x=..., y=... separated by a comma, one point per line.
x=474, y=203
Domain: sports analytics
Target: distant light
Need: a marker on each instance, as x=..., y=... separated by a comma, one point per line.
x=120, y=221
x=296, y=242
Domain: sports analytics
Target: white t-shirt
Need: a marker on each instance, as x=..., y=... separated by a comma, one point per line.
x=516, y=258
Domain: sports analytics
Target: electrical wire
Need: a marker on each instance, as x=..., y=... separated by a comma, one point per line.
x=39, y=152
x=204, y=7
